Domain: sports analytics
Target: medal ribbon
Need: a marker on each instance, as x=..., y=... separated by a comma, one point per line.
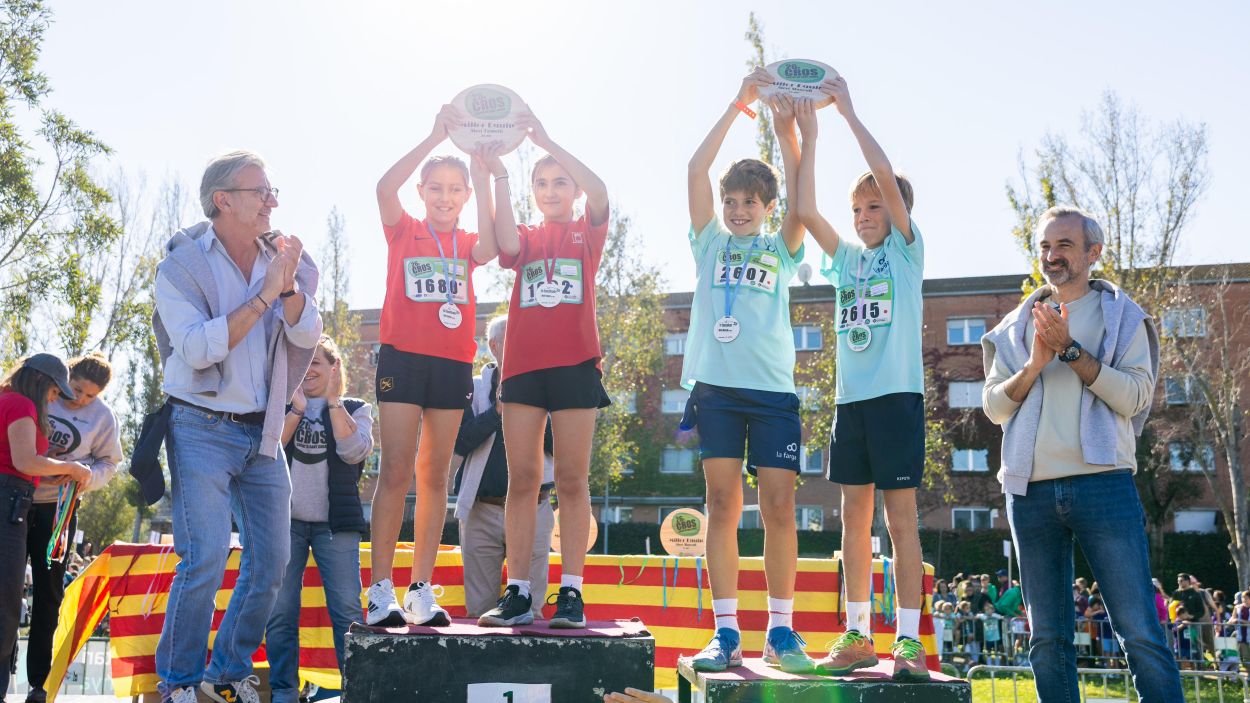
x=549, y=263
x=731, y=290
x=448, y=276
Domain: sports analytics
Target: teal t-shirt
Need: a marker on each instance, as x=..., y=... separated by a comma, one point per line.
x=888, y=299
x=762, y=356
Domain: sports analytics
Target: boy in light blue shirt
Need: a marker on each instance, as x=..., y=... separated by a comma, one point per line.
x=739, y=366
x=878, y=430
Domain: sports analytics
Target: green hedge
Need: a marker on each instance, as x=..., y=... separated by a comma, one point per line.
x=949, y=551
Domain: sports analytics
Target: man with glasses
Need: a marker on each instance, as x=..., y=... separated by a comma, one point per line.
x=237, y=325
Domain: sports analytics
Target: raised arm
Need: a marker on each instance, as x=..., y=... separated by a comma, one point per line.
x=823, y=232
x=396, y=176
x=792, y=229
x=487, y=246
x=878, y=163
x=503, y=224
x=698, y=178
x=593, y=186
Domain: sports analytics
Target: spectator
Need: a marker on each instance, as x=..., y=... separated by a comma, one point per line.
x=992, y=625
x=1080, y=597
x=1161, y=600
x=1195, y=603
x=1181, y=628
x=1241, y=618
x=988, y=588
x=969, y=632
x=942, y=593
x=1011, y=603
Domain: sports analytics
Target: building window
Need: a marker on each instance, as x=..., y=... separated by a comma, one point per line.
x=809, y=517
x=675, y=343
x=812, y=460
x=971, y=519
x=966, y=394
x=673, y=402
x=808, y=338
x=1188, y=457
x=1185, y=322
x=970, y=460
x=626, y=401
x=1181, y=390
x=677, y=460
x=961, y=331
x=618, y=514
x=1195, y=521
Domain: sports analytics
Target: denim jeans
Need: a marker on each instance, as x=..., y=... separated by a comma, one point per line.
x=12, y=568
x=216, y=469
x=1103, y=512
x=338, y=561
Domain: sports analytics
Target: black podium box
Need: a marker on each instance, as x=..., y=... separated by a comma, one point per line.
x=756, y=681
x=464, y=662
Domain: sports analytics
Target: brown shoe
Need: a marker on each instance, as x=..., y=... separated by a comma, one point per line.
x=851, y=651
x=909, y=660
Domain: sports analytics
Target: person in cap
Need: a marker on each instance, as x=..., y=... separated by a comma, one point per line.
x=25, y=394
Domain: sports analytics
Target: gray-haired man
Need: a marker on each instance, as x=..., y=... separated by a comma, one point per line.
x=237, y=325
x=1070, y=375
x=482, y=486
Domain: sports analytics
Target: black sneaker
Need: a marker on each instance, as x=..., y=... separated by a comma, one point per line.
x=513, y=609
x=570, y=610
x=37, y=695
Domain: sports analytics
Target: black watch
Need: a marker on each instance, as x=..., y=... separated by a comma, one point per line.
x=287, y=294
x=1071, y=353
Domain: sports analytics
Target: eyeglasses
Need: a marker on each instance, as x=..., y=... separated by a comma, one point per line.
x=263, y=192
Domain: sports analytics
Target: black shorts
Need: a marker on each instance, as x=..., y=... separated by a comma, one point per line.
x=559, y=388
x=418, y=379
x=879, y=441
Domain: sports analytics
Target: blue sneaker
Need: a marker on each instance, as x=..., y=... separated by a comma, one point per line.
x=724, y=651
x=784, y=650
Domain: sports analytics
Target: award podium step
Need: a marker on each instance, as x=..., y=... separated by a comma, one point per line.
x=466, y=663
x=757, y=681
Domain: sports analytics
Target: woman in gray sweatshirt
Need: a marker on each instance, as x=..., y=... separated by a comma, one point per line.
x=83, y=430
x=327, y=438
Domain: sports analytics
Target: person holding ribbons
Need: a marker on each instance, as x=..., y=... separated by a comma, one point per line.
x=878, y=431
x=425, y=365
x=551, y=367
x=739, y=365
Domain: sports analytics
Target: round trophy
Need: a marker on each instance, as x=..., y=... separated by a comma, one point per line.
x=490, y=114
x=555, y=533
x=684, y=533
x=799, y=78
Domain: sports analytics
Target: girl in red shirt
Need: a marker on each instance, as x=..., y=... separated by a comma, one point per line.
x=24, y=397
x=425, y=365
x=551, y=366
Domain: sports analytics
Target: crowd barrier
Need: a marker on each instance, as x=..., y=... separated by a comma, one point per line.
x=129, y=583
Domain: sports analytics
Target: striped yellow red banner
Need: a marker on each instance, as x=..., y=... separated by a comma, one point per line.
x=671, y=595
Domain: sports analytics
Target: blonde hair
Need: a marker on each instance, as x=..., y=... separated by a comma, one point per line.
x=866, y=184
x=445, y=160
x=328, y=347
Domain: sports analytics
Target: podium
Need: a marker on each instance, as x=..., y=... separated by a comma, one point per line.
x=466, y=663
x=757, y=681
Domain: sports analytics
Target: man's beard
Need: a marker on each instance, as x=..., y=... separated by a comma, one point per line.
x=1058, y=275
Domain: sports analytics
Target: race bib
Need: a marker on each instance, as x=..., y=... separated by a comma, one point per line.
x=426, y=282
x=567, y=275
x=873, y=310
x=761, y=270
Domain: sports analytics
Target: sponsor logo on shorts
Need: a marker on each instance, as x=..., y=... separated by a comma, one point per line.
x=903, y=478
x=577, y=237
x=790, y=453
x=387, y=384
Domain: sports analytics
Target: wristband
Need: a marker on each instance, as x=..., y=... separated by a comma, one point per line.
x=262, y=301
x=299, y=413
x=251, y=305
x=287, y=294
x=500, y=178
x=334, y=405
x=745, y=110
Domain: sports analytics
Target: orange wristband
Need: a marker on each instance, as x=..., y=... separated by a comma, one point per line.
x=745, y=110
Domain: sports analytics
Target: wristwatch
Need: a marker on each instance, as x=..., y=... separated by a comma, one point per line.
x=1071, y=353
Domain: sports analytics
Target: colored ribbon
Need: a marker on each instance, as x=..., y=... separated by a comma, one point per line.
x=621, y=565
x=66, y=502
x=887, y=590
x=664, y=582
x=698, y=584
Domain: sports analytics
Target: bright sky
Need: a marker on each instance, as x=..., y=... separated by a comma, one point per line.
x=332, y=93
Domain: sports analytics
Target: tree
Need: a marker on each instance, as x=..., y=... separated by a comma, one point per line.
x=106, y=515
x=1161, y=489
x=630, y=306
x=53, y=210
x=765, y=139
x=342, y=323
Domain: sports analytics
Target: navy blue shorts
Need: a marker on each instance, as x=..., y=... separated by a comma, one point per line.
x=764, y=426
x=879, y=441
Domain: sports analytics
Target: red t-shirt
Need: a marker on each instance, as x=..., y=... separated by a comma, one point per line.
x=416, y=287
x=567, y=334
x=13, y=407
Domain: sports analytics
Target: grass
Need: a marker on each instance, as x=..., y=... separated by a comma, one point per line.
x=1197, y=689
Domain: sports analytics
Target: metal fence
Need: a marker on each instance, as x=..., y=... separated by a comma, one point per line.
x=88, y=674
x=997, y=641
x=1015, y=683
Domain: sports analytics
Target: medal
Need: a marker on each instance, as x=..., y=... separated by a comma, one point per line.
x=859, y=337
x=726, y=329
x=548, y=294
x=449, y=315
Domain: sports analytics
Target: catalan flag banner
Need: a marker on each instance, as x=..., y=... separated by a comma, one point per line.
x=671, y=595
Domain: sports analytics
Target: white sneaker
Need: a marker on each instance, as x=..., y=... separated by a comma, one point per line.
x=384, y=610
x=243, y=691
x=186, y=694
x=423, y=609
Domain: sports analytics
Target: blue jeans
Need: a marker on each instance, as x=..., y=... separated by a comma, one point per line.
x=216, y=469
x=338, y=561
x=1103, y=512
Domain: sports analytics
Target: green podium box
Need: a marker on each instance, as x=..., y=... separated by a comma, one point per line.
x=757, y=681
